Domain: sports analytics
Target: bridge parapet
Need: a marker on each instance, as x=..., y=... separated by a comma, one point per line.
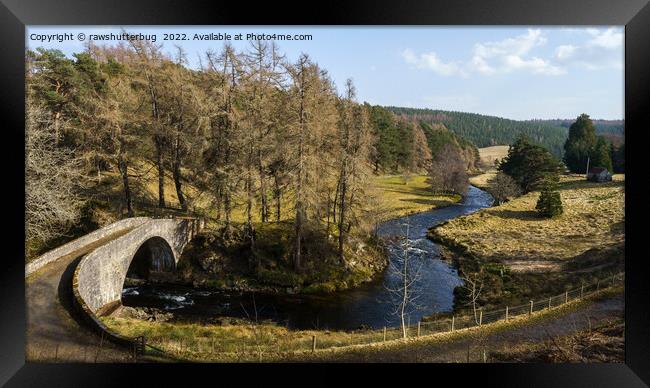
x=100, y=275
x=82, y=242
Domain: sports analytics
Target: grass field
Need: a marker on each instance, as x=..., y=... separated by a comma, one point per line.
x=398, y=196
x=514, y=234
x=489, y=154
x=270, y=342
x=388, y=195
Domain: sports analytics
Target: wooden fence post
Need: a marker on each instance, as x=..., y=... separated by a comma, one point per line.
x=506, y=313
x=418, y=328
x=453, y=318
x=566, y=296
x=56, y=353
x=549, y=302
x=480, y=317
x=384, y=333
x=531, y=308
x=313, y=343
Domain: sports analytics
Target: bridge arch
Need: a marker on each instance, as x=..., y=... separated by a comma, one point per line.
x=155, y=244
x=154, y=255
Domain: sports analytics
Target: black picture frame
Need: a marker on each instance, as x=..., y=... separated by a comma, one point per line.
x=16, y=14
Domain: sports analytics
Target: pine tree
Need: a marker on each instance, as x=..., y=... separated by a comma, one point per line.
x=529, y=164
x=549, y=204
x=601, y=154
x=580, y=144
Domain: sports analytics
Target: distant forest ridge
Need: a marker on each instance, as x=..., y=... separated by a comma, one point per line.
x=485, y=131
x=612, y=130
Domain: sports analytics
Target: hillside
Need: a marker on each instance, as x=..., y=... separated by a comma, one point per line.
x=613, y=130
x=399, y=141
x=485, y=131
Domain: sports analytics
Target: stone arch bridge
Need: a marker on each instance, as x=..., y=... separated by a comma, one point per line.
x=83, y=279
x=156, y=244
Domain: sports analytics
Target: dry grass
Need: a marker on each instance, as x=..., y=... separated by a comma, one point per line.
x=398, y=196
x=388, y=195
x=270, y=342
x=513, y=233
x=481, y=180
x=489, y=154
x=605, y=343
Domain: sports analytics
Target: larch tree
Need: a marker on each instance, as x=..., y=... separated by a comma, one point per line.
x=354, y=142
x=148, y=69
x=311, y=114
x=222, y=153
x=120, y=124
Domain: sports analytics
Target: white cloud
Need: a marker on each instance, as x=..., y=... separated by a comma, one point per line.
x=565, y=51
x=430, y=61
x=601, y=51
x=518, y=45
x=510, y=55
x=535, y=65
x=490, y=58
x=609, y=39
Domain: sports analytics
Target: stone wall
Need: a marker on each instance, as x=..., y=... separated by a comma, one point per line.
x=81, y=242
x=100, y=275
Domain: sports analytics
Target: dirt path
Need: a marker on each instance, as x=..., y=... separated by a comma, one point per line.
x=53, y=331
x=585, y=316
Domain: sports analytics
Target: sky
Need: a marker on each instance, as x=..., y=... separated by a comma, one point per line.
x=513, y=72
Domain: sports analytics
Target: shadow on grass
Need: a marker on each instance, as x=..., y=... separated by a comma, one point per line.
x=431, y=202
x=584, y=184
x=412, y=191
x=525, y=215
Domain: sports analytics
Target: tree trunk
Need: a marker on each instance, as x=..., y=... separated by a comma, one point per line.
x=297, y=247
x=161, y=171
x=176, y=171
x=264, y=202
x=278, y=195
x=123, y=167
x=227, y=210
x=342, y=217
x=405, y=295
x=254, y=263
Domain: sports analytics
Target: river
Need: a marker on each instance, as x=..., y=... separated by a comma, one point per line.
x=371, y=305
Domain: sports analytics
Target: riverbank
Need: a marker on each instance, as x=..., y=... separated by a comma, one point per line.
x=215, y=262
x=263, y=341
x=518, y=254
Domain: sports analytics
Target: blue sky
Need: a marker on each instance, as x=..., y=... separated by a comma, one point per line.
x=512, y=72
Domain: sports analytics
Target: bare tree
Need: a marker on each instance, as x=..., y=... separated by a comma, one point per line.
x=52, y=178
x=148, y=66
x=448, y=170
x=354, y=142
x=473, y=285
x=503, y=187
x=406, y=272
x=311, y=114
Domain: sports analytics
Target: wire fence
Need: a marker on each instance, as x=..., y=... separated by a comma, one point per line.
x=265, y=340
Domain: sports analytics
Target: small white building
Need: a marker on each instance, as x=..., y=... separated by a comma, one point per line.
x=599, y=174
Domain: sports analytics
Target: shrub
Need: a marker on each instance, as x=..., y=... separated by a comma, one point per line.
x=279, y=278
x=549, y=203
